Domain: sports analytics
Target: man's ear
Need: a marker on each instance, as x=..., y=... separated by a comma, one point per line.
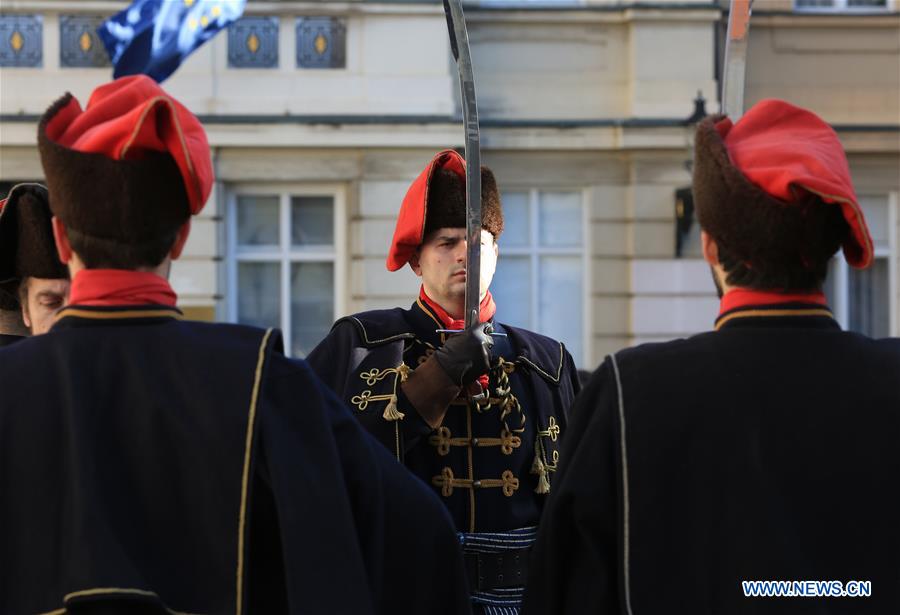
x=414, y=263
x=180, y=240
x=61, y=239
x=23, y=302
x=25, y=317
x=710, y=248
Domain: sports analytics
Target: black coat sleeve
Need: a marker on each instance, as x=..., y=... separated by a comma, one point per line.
x=335, y=360
x=574, y=566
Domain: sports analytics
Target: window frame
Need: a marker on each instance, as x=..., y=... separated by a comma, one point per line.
x=286, y=253
x=891, y=252
x=843, y=6
x=534, y=251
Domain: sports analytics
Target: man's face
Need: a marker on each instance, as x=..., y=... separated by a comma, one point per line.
x=43, y=298
x=441, y=263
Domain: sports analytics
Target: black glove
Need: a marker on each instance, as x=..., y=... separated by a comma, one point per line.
x=467, y=355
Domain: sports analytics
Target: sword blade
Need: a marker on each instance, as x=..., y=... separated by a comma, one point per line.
x=459, y=43
x=733, y=77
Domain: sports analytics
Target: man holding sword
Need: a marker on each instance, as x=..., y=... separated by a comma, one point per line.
x=477, y=412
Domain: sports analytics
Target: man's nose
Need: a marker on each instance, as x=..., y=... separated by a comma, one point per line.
x=461, y=251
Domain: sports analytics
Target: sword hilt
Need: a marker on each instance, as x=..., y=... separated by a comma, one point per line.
x=492, y=334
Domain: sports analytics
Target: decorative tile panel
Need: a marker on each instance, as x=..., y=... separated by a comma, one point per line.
x=321, y=42
x=21, y=40
x=79, y=45
x=253, y=43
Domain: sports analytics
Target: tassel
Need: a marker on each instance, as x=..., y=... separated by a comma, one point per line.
x=543, y=487
x=540, y=469
x=390, y=412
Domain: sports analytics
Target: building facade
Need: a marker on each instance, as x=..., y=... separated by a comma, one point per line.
x=321, y=113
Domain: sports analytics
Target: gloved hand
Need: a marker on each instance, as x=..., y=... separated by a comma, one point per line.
x=466, y=355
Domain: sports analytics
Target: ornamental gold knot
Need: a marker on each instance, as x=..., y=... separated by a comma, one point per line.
x=509, y=441
x=361, y=401
x=510, y=483
x=447, y=482
x=374, y=375
x=552, y=430
x=441, y=440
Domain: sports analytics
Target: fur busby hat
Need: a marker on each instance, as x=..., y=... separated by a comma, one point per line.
x=754, y=182
x=131, y=167
x=27, y=248
x=437, y=199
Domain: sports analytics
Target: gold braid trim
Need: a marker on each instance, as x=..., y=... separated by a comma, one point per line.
x=447, y=482
x=443, y=439
x=374, y=375
x=540, y=466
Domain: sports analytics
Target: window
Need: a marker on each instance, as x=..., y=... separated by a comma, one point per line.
x=530, y=3
x=865, y=300
x=840, y=5
x=541, y=275
x=286, y=261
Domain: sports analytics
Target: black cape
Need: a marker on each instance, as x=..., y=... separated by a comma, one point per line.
x=148, y=463
x=486, y=467
x=766, y=450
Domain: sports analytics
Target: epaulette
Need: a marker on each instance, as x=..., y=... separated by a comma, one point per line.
x=378, y=327
x=543, y=354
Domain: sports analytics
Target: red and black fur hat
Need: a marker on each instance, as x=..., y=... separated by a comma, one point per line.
x=132, y=166
x=437, y=199
x=756, y=182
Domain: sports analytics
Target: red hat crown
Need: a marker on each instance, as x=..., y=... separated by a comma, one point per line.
x=790, y=153
x=128, y=119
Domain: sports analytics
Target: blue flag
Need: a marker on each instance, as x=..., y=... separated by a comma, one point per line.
x=153, y=37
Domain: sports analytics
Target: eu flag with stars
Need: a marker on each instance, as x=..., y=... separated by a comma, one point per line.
x=153, y=37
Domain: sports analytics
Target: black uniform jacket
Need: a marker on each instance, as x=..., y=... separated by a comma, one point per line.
x=8, y=340
x=766, y=450
x=487, y=461
x=148, y=463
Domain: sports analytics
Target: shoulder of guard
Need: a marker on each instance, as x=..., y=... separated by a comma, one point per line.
x=378, y=327
x=545, y=355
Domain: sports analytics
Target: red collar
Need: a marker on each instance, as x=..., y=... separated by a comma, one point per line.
x=114, y=287
x=486, y=311
x=745, y=297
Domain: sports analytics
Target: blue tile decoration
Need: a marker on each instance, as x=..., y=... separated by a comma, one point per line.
x=79, y=45
x=21, y=40
x=321, y=42
x=253, y=43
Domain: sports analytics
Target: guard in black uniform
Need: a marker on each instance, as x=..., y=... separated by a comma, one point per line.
x=491, y=460
x=12, y=329
x=32, y=277
x=154, y=465
x=766, y=450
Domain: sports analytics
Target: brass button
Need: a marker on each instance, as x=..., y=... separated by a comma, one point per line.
x=474, y=441
x=476, y=484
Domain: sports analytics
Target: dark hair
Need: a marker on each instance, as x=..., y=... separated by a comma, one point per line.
x=102, y=253
x=813, y=231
